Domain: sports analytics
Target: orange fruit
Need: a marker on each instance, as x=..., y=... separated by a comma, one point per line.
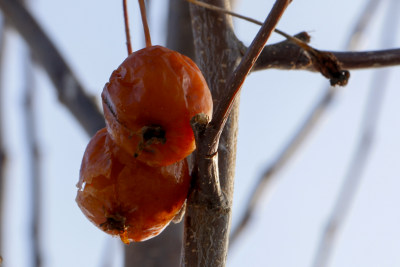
x=125, y=197
x=149, y=101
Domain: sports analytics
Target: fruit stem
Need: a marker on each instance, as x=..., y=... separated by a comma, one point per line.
x=144, y=22
x=126, y=20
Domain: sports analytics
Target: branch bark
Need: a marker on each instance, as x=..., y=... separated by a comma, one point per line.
x=205, y=235
x=69, y=89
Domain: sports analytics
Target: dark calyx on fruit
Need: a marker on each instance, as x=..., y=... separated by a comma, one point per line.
x=114, y=222
x=153, y=134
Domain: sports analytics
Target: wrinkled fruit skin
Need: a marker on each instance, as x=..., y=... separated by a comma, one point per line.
x=155, y=87
x=125, y=197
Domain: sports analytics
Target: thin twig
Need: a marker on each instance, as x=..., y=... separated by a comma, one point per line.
x=127, y=31
x=237, y=15
x=144, y=22
x=237, y=78
x=294, y=143
x=225, y=11
x=348, y=60
x=70, y=91
x=362, y=152
x=323, y=62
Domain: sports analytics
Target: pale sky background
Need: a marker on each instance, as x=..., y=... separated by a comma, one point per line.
x=289, y=220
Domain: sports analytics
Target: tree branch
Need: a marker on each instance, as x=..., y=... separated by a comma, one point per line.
x=324, y=62
x=69, y=89
x=292, y=57
x=369, y=59
x=208, y=214
x=206, y=229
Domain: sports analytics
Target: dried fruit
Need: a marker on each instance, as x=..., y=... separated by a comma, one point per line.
x=149, y=101
x=125, y=197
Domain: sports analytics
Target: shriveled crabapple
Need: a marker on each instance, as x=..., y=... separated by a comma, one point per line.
x=125, y=197
x=149, y=101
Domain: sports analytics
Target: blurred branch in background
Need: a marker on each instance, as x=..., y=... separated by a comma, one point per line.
x=2, y=147
x=70, y=92
x=362, y=151
x=180, y=35
x=33, y=158
x=163, y=251
x=314, y=116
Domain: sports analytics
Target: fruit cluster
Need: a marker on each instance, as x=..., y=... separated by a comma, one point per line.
x=134, y=177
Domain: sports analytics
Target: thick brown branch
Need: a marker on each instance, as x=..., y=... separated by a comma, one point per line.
x=69, y=89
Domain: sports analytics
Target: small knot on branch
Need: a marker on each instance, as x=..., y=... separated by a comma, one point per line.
x=199, y=124
x=303, y=36
x=329, y=66
x=324, y=62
